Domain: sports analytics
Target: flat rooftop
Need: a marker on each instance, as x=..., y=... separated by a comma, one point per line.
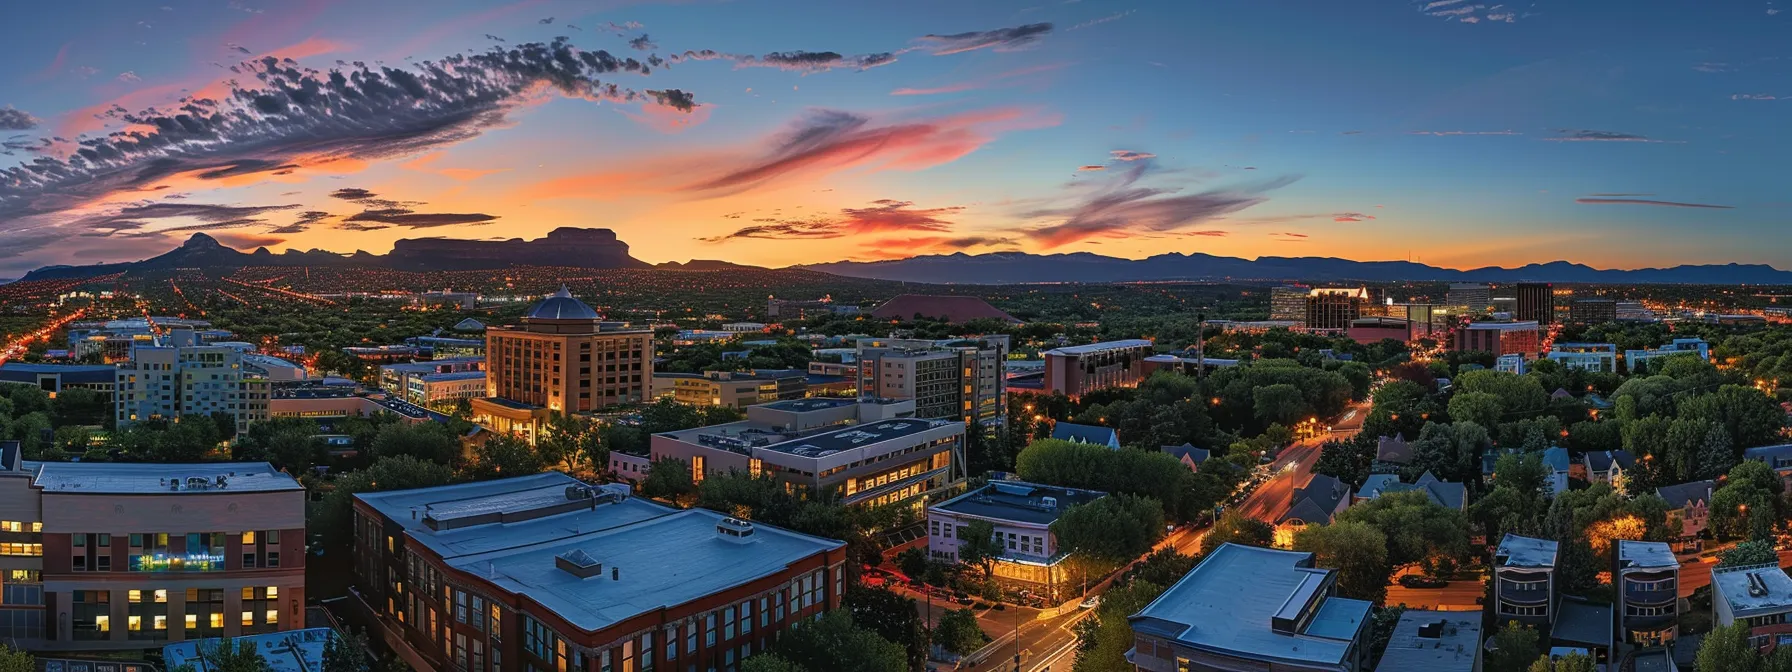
x=1018, y=501
x=1226, y=604
x=651, y=564
x=1101, y=347
x=1772, y=594
x=1517, y=551
x=457, y=375
x=1645, y=555
x=467, y=518
x=854, y=436
x=808, y=405
x=286, y=651
x=1433, y=641
x=128, y=478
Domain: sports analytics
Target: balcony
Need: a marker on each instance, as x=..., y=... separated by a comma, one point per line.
x=1641, y=596
x=1525, y=597
x=1653, y=623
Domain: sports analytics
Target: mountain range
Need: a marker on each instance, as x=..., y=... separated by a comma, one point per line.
x=600, y=248
x=1017, y=267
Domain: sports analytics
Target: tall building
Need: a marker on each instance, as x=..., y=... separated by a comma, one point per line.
x=962, y=378
x=1250, y=608
x=1288, y=302
x=1474, y=296
x=1499, y=338
x=1331, y=309
x=1648, y=592
x=102, y=555
x=1593, y=311
x=544, y=572
x=561, y=359
x=1536, y=302
x=1524, y=580
x=839, y=450
x=1077, y=370
x=176, y=382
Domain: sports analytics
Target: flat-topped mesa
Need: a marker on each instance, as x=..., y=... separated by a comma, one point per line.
x=565, y=246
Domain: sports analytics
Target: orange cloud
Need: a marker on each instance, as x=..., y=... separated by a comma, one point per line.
x=668, y=119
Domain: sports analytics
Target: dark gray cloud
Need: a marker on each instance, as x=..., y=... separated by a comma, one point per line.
x=1640, y=201
x=410, y=219
x=642, y=43
x=673, y=98
x=236, y=48
x=352, y=194
x=358, y=226
x=1001, y=39
x=137, y=217
x=794, y=61
x=304, y=221
x=1584, y=135
x=1123, y=206
x=12, y=119
x=1619, y=194
x=493, y=38
x=358, y=111
x=546, y=21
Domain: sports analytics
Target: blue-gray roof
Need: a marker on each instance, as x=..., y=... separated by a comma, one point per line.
x=1317, y=501
x=1101, y=436
x=1744, y=595
x=1774, y=456
x=562, y=306
x=1196, y=455
x=1645, y=555
x=1680, y=495
x=1226, y=605
x=1018, y=501
x=1517, y=551
x=77, y=374
x=1556, y=458
x=1601, y=460
x=1579, y=621
x=1441, y=493
x=1433, y=641
x=457, y=375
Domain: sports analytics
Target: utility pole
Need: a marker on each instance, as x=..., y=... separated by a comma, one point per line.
x=1200, y=345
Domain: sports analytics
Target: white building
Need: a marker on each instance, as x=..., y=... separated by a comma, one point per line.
x=1680, y=346
x=1022, y=515
x=1598, y=357
x=191, y=381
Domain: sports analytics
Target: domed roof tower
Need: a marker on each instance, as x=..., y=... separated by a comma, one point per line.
x=561, y=306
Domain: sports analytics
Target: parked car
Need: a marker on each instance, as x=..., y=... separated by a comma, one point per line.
x=1417, y=581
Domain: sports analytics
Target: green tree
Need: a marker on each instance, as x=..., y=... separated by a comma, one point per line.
x=1727, y=649
x=833, y=642
x=505, y=455
x=573, y=441
x=1163, y=567
x=430, y=441
x=295, y=450
x=1115, y=529
x=977, y=545
x=1514, y=648
x=229, y=655
x=1107, y=635
x=1281, y=403
x=346, y=653
x=16, y=661
x=335, y=516
x=1357, y=550
x=668, y=478
x=1236, y=528
x=1416, y=528
x=958, y=633
x=1754, y=552
x=1481, y=408
x=1749, y=504
x=891, y=616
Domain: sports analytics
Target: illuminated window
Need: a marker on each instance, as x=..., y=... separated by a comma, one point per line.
x=161, y=622
x=161, y=596
x=248, y=538
x=135, y=623
x=192, y=621
x=273, y=616
x=248, y=618
x=102, y=623
x=217, y=620
x=136, y=595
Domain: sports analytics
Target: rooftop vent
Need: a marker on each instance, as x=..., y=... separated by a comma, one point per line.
x=1432, y=630
x=1049, y=502
x=734, y=529
x=1757, y=587
x=578, y=563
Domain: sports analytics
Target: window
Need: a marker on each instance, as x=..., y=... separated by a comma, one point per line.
x=709, y=629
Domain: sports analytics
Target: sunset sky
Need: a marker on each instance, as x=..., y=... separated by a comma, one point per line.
x=776, y=132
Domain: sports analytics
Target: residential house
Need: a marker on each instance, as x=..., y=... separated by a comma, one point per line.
x=1524, y=580
x=1250, y=608
x=1558, y=463
x=1323, y=497
x=1393, y=450
x=1441, y=493
x=1608, y=466
x=1691, y=503
x=1646, y=580
x=1189, y=455
x=1583, y=624
x=1779, y=457
x=1091, y=434
x=1759, y=595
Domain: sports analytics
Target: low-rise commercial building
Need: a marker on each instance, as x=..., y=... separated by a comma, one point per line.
x=1642, y=361
x=1022, y=515
x=101, y=555
x=1499, y=338
x=1253, y=608
x=853, y=452
x=734, y=389
x=1524, y=572
x=1595, y=357
x=53, y=378
x=954, y=378
x=406, y=379
x=1077, y=370
x=543, y=572
x=1647, y=583
x=170, y=383
x=1434, y=641
x=1759, y=595
x=1368, y=330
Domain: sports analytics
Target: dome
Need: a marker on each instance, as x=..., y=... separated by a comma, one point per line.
x=562, y=306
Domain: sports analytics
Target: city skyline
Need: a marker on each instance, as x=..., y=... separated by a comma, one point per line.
x=767, y=133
